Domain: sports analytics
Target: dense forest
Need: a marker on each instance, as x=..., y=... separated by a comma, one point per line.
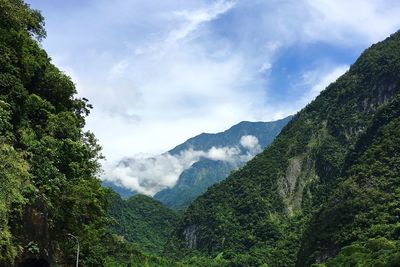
x=326, y=192
x=143, y=221
x=48, y=164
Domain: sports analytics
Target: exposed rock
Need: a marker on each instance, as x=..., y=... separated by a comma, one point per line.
x=35, y=235
x=191, y=236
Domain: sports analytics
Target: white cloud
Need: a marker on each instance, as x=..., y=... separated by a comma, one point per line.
x=319, y=79
x=194, y=18
x=161, y=72
x=265, y=67
x=149, y=175
x=249, y=141
x=224, y=154
x=350, y=22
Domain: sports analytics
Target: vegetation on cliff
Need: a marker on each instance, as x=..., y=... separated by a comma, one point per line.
x=143, y=221
x=326, y=192
x=259, y=214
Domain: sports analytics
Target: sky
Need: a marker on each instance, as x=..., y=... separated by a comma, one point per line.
x=160, y=72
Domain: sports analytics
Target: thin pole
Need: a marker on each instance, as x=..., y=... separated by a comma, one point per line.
x=77, y=250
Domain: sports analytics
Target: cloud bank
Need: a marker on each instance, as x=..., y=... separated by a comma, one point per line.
x=149, y=175
x=159, y=72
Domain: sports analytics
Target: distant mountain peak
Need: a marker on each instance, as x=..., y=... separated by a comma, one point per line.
x=232, y=147
x=249, y=138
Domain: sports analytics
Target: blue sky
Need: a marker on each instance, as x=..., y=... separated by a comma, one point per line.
x=160, y=72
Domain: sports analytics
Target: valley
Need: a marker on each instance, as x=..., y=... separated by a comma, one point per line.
x=320, y=188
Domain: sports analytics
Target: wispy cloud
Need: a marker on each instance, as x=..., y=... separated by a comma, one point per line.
x=318, y=80
x=186, y=24
x=149, y=175
x=351, y=22
x=194, y=18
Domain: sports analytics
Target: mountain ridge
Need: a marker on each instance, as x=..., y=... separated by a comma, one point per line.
x=267, y=204
x=242, y=128
x=206, y=172
x=229, y=142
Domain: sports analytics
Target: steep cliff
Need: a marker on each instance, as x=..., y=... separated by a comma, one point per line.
x=48, y=162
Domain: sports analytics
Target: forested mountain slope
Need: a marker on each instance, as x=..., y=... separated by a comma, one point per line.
x=259, y=213
x=206, y=172
x=48, y=163
x=361, y=218
x=143, y=221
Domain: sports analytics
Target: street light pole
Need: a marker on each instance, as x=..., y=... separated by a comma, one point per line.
x=77, y=251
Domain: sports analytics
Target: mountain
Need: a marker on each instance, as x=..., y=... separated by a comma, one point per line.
x=265, y=132
x=193, y=182
x=206, y=172
x=143, y=221
x=359, y=223
x=50, y=198
x=122, y=191
x=48, y=163
x=326, y=190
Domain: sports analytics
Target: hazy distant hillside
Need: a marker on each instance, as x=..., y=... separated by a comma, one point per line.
x=265, y=132
x=122, y=191
x=183, y=173
x=206, y=172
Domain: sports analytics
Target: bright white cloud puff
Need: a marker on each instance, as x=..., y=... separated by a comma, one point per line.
x=149, y=175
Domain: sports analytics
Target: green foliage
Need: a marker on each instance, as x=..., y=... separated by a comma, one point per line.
x=143, y=221
x=376, y=252
x=365, y=204
x=201, y=175
x=267, y=205
x=17, y=15
x=14, y=180
x=48, y=163
x=121, y=253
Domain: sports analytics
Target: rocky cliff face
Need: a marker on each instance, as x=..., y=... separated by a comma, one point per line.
x=191, y=236
x=34, y=235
